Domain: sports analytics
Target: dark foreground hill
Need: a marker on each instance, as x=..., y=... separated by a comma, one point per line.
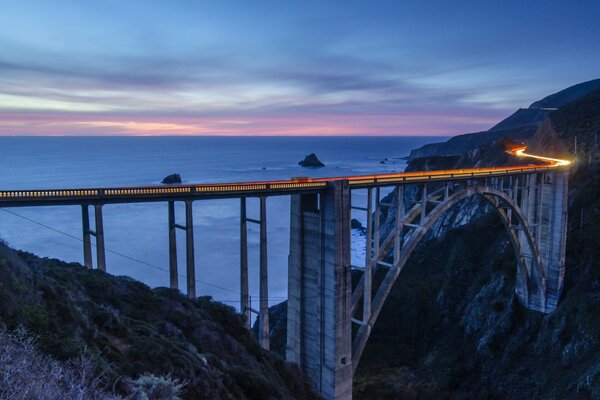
x=129, y=329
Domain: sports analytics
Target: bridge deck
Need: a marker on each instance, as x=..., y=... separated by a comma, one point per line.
x=133, y=194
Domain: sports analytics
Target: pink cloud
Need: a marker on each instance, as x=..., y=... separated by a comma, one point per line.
x=415, y=123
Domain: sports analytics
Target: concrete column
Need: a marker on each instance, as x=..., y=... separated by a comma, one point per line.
x=399, y=224
x=553, y=236
x=173, y=275
x=424, y=204
x=319, y=331
x=540, y=200
x=376, y=225
x=100, y=249
x=189, y=247
x=302, y=278
x=263, y=334
x=367, y=294
x=244, y=291
x=87, y=240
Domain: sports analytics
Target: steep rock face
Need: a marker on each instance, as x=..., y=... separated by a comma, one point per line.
x=132, y=329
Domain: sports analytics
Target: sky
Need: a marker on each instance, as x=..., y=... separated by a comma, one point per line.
x=285, y=67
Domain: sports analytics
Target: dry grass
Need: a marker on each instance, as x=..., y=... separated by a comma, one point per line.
x=27, y=374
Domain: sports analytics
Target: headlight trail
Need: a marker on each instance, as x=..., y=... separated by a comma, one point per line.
x=555, y=161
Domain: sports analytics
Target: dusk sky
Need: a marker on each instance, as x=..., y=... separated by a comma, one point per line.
x=285, y=67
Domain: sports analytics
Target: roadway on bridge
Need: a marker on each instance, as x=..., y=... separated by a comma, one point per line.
x=20, y=198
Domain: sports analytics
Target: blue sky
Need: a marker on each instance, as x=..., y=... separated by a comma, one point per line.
x=285, y=67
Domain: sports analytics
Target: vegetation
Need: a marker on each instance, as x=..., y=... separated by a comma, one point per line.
x=143, y=341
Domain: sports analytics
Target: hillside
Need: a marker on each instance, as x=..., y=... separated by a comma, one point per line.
x=520, y=126
x=130, y=329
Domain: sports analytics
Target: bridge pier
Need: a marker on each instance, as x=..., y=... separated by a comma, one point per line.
x=263, y=321
x=244, y=289
x=100, y=251
x=173, y=275
x=551, y=233
x=87, y=237
x=541, y=243
x=189, y=248
x=319, y=335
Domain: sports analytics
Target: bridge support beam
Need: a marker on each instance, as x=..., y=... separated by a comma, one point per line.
x=100, y=251
x=367, y=295
x=173, y=275
x=550, y=233
x=319, y=336
x=87, y=237
x=263, y=326
x=189, y=253
x=244, y=289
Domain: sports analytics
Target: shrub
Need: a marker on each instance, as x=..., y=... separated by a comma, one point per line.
x=26, y=374
x=151, y=387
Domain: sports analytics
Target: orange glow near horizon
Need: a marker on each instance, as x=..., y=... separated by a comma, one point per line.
x=90, y=124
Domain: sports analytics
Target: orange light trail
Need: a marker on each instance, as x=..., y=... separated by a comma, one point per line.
x=557, y=161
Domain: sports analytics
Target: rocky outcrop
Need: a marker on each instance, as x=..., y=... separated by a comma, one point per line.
x=356, y=224
x=172, y=179
x=311, y=160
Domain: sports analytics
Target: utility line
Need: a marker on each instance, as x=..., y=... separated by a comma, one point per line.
x=118, y=253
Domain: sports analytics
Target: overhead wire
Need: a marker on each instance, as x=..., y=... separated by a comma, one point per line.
x=31, y=220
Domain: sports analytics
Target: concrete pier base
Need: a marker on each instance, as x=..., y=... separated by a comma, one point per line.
x=319, y=336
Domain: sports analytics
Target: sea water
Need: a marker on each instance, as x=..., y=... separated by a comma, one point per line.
x=136, y=235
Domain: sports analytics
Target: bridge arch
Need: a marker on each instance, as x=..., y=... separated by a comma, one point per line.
x=531, y=279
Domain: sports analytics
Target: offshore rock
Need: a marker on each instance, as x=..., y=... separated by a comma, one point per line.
x=172, y=179
x=311, y=160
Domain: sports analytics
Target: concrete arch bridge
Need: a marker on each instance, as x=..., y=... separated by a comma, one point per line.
x=323, y=305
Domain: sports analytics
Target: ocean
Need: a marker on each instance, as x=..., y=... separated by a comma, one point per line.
x=136, y=235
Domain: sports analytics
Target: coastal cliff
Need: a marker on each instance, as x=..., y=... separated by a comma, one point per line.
x=520, y=126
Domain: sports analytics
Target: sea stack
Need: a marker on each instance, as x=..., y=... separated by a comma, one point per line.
x=311, y=160
x=171, y=179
